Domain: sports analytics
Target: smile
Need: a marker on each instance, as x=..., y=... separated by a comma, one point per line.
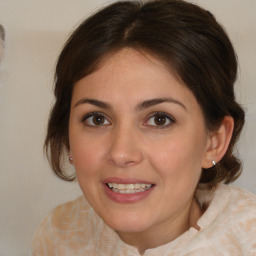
x=128, y=188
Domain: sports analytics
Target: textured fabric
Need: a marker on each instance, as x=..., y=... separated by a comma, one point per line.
x=228, y=227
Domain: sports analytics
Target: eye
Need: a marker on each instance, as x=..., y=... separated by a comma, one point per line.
x=160, y=120
x=95, y=119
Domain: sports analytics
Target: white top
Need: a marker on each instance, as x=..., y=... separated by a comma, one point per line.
x=228, y=227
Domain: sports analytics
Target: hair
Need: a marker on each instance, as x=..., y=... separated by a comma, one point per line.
x=2, y=32
x=187, y=38
x=2, y=37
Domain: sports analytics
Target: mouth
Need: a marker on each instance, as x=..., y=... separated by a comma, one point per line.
x=132, y=188
x=127, y=190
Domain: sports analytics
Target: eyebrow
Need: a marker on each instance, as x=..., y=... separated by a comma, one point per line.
x=153, y=102
x=143, y=105
x=96, y=103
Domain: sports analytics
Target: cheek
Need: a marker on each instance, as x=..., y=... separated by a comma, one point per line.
x=87, y=156
x=179, y=155
x=87, y=160
x=178, y=165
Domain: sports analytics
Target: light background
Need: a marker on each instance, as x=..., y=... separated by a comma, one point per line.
x=35, y=33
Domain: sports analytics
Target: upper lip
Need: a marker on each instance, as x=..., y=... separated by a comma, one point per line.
x=125, y=181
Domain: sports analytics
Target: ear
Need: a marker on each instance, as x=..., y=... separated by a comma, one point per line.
x=70, y=158
x=218, y=142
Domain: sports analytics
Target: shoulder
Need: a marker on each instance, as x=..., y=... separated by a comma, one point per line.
x=238, y=200
x=230, y=221
x=74, y=217
x=241, y=209
x=69, y=215
x=236, y=206
x=226, y=199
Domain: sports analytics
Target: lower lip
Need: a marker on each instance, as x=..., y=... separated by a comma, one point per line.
x=127, y=198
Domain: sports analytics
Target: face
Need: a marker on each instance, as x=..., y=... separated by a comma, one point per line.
x=138, y=140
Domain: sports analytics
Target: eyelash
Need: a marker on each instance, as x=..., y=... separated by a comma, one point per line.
x=152, y=115
x=94, y=114
x=162, y=114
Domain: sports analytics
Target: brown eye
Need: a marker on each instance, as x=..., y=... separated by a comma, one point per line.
x=160, y=120
x=95, y=119
x=98, y=120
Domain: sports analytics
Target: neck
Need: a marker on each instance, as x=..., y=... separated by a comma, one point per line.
x=164, y=232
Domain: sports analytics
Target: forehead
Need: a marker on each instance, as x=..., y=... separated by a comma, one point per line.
x=131, y=74
x=129, y=64
x=128, y=58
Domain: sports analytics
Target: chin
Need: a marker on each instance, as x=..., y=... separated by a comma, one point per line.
x=130, y=222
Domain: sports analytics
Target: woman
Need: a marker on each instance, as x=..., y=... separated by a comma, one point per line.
x=146, y=113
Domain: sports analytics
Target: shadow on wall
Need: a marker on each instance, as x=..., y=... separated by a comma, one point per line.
x=2, y=36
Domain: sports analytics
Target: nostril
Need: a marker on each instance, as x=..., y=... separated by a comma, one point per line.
x=125, y=161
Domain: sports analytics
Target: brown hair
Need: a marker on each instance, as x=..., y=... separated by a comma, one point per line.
x=2, y=32
x=186, y=37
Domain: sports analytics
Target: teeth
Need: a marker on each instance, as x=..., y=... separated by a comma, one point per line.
x=129, y=188
x=137, y=186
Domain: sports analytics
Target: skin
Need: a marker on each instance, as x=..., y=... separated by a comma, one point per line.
x=130, y=144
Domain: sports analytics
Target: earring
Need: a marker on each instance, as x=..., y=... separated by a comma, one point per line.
x=70, y=158
x=213, y=163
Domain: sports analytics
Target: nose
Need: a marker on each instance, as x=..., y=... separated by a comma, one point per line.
x=124, y=150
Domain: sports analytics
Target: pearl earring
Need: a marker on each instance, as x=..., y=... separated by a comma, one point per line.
x=213, y=163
